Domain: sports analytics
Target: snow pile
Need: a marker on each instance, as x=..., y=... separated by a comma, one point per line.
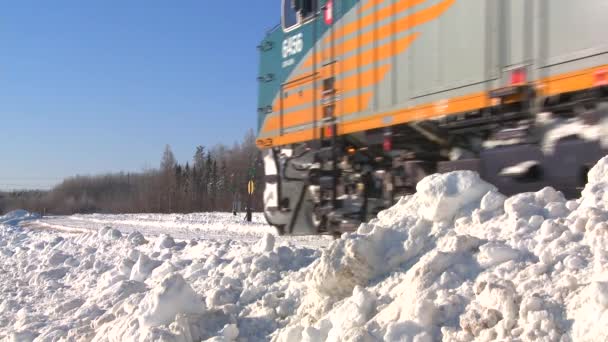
x=16, y=216
x=137, y=239
x=458, y=261
x=110, y=286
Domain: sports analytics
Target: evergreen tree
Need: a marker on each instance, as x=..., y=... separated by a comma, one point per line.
x=194, y=189
x=168, y=162
x=207, y=181
x=199, y=181
x=222, y=185
x=167, y=181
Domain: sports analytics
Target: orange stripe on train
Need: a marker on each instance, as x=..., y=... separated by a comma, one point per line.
x=370, y=4
x=306, y=116
x=361, y=80
x=387, y=50
x=400, y=25
x=553, y=85
x=377, y=54
x=372, y=18
x=382, y=32
x=357, y=81
x=420, y=112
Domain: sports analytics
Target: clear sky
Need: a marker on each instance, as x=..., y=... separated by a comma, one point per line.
x=89, y=87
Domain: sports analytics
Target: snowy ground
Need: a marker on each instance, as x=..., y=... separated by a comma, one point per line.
x=214, y=226
x=455, y=262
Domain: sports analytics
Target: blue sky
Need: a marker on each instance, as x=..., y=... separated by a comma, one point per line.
x=89, y=87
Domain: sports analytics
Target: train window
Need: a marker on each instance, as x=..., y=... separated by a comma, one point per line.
x=309, y=8
x=294, y=11
x=290, y=15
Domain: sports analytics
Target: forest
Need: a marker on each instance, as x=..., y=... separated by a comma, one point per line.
x=214, y=180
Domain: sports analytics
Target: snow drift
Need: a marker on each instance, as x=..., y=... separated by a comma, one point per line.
x=457, y=261
x=16, y=216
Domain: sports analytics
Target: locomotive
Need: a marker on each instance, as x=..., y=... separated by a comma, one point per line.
x=361, y=99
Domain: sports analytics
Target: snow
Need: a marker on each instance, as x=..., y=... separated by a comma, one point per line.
x=219, y=226
x=457, y=261
x=16, y=216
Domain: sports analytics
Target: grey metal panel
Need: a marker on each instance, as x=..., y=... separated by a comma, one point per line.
x=462, y=44
x=515, y=30
x=517, y=37
x=494, y=39
x=449, y=59
x=452, y=51
x=579, y=64
x=540, y=39
x=575, y=29
x=403, y=76
x=424, y=61
x=386, y=94
x=452, y=57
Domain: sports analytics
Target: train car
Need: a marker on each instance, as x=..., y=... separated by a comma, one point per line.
x=361, y=99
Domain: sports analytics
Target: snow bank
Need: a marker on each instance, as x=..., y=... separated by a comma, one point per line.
x=400, y=234
x=457, y=261
x=14, y=217
x=110, y=286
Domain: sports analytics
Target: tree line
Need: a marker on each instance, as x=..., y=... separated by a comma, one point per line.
x=214, y=180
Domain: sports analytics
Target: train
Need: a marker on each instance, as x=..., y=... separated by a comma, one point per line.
x=358, y=100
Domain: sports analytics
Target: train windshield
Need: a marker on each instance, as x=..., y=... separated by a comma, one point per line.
x=290, y=16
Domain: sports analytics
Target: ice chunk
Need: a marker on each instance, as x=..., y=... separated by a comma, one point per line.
x=353, y=313
x=266, y=244
x=594, y=194
x=492, y=254
x=492, y=201
x=136, y=239
x=114, y=234
x=172, y=296
x=599, y=172
x=523, y=206
x=230, y=332
x=159, y=273
x=442, y=196
x=165, y=241
x=57, y=258
x=222, y=296
x=557, y=209
x=143, y=267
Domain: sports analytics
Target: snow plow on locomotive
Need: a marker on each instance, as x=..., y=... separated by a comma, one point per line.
x=361, y=99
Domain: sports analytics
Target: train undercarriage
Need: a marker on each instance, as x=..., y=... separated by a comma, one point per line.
x=333, y=184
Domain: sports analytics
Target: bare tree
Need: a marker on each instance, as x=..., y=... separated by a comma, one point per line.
x=168, y=181
x=216, y=177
